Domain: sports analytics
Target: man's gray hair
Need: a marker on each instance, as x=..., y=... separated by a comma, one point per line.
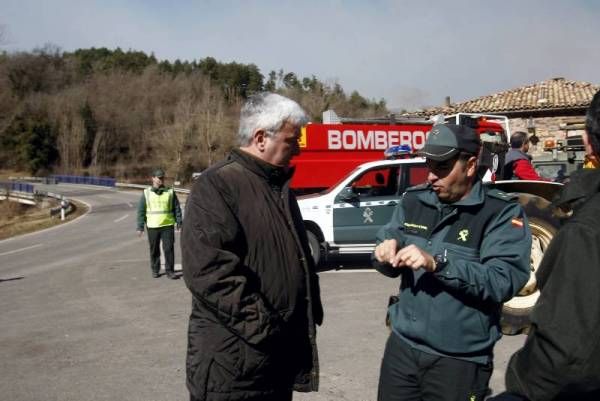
x=268, y=111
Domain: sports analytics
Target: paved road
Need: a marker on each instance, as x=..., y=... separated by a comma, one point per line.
x=83, y=320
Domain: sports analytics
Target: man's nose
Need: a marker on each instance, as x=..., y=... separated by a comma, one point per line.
x=431, y=177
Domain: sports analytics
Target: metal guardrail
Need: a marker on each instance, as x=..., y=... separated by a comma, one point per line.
x=26, y=194
x=69, y=179
x=25, y=198
x=76, y=179
x=13, y=186
x=26, y=179
x=142, y=187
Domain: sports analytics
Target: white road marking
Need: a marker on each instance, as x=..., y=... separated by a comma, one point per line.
x=121, y=218
x=21, y=249
x=129, y=204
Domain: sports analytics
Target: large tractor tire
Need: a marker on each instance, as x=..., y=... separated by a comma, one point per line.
x=543, y=226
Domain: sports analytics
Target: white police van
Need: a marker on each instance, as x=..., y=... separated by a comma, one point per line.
x=345, y=218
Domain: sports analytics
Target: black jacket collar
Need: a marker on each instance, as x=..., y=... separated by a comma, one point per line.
x=275, y=175
x=582, y=185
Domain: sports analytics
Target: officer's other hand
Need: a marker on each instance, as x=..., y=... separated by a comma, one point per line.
x=413, y=257
x=386, y=250
x=139, y=233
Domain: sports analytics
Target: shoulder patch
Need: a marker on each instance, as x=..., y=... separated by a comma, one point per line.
x=497, y=194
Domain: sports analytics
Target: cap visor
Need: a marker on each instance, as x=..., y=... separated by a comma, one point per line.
x=438, y=153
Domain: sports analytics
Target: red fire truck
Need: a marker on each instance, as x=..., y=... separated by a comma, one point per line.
x=329, y=151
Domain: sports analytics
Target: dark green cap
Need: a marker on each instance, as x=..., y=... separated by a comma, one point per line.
x=445, y=141
x=159, y=172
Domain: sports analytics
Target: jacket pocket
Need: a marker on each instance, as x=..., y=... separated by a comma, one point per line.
x=253, y=362
x=198, y=385
x=239, y=362
x=225, y=367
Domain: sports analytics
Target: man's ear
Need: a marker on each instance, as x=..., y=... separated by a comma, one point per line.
x=259, y=139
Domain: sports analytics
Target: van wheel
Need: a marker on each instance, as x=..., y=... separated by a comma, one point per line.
x=315, y=247
x=543, y=226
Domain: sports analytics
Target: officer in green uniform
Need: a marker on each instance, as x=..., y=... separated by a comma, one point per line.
x=461, y=251
x=159, y=210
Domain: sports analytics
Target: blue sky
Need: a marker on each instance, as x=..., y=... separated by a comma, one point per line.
x=411, y=53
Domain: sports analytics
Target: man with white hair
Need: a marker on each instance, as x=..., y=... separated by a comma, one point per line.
x=246, y=261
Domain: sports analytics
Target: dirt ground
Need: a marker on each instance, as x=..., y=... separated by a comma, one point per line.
x=17, y=219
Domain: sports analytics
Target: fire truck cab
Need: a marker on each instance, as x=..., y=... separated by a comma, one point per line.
x=329, y=151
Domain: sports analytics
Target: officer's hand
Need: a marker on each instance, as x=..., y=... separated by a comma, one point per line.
x=413, y=257
x=140, y=233
x=386, y=250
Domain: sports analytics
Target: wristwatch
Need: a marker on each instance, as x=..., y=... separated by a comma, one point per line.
x=441, y=260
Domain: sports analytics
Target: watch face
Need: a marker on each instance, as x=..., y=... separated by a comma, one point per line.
x=440, y=258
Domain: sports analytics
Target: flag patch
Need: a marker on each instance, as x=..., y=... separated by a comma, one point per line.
x=517, y=222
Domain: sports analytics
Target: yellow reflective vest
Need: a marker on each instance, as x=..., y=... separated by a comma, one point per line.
x=159, y=208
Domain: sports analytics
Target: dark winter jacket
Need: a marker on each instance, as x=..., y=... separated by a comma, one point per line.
x=561, y=357
x=455, y=311
x=517, y=166
x=255, y=292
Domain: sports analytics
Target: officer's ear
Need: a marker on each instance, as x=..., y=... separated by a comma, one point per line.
x=471, y=166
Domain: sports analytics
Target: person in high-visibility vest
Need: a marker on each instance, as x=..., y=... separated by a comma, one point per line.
x=160, y=212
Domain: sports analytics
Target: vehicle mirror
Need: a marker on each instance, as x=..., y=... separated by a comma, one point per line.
x=347, y=195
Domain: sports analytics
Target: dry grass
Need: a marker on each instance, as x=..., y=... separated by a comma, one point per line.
x=17, y=219
x=5, y=173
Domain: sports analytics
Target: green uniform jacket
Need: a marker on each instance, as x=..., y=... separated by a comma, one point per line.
x=455, y=311
x=141, y=211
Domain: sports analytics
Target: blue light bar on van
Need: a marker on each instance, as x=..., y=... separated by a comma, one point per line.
x=397, y=151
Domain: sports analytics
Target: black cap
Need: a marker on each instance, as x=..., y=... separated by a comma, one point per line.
x=445, y=141
x=159, y=172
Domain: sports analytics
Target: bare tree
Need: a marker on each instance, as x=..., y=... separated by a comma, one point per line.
x=211, y=125
x=70, y=143
x=174, y=133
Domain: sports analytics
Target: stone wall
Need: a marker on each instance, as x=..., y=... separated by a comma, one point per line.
x=545, y=128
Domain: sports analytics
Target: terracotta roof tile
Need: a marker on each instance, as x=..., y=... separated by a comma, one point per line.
x=553, y=94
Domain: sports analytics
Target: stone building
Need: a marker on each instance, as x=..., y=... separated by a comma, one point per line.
x=540, y=109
